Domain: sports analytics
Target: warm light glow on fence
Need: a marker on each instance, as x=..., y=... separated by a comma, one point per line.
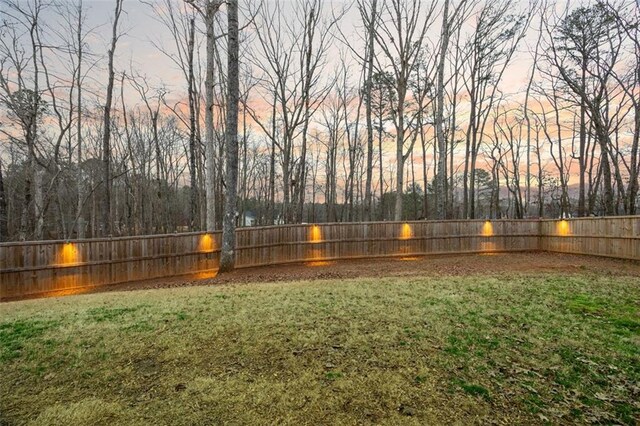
x=406, y=232
x=206, y=243
x=487, y=229
x=203, y=275
x=315, y=234
x=563, y=228
x=409, y=258
x=314, y=252
x=69, y=254
x=487, y=247
x=69, y=279
x=317, y=263
x=70, y=291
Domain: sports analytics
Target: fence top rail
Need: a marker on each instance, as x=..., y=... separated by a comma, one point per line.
x=298, y=225
x=637, y=216
x=386, y=222
x=105, y=239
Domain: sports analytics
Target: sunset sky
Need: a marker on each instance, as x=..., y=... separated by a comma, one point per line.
x=142, y=35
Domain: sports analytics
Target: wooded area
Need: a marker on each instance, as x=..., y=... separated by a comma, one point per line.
x=40, y=267
x=371, y=110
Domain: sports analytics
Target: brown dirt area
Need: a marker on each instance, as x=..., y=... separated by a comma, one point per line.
x=441, y=265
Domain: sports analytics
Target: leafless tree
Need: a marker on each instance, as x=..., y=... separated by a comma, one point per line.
x=106, y=126
x=227, y=255
x=400, y=36
x=493, y=43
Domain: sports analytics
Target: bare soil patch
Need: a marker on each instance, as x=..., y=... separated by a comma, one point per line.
x=442, y=265
x=421, y=266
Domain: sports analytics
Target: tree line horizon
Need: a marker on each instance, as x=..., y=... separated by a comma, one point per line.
x=405, y=116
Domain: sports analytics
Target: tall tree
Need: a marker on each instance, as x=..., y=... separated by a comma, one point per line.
x=21, y=94
x=400, y=36
x=180, y=21
x=451, y=23
x=490, y=49
x=106, y=125
x=369, y=18
x=628, y=19
x=290, y=57
x=4, y=229
x=227, y=256
x=208, y=10
x=441, y=178
x=582, y=39
x=80, y=225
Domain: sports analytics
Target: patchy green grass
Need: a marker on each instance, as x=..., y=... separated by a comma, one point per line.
x=517, y=349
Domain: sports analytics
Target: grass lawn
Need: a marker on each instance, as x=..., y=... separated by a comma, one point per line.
x=524, y=348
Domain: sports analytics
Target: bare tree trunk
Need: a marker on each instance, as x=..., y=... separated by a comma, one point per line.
x=4, y=216
x=635, y=164
x=582, y=160
x=467, y=191
x=381, y=159
x=441, y=207
x=540, y=177
x=106, y=127
x=272, y=168
x=193, y=190
x=302, y=176
x=243, y=185
x=79, y=180
x=210, y=179
x=368, y=89
x=272, y=185
x=38, y=201
x=425, y=177
x=227, y=257
x=35, y=176
x=527, y=119
x=609, y=204
x=397, y=215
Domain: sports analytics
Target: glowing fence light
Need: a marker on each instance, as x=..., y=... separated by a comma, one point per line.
x=69, y=254
x=315, y=252
x=563, y=228
x=315, y=234
x=406, y=232
x=487, y=229
x=206, y=264
x=69, y=279
x=206, y=243
x=487, y=246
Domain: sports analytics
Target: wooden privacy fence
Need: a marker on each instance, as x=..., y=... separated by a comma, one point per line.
x=607, y=236
x=28, y=268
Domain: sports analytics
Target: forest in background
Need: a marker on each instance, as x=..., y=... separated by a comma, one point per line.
x=356, y=111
